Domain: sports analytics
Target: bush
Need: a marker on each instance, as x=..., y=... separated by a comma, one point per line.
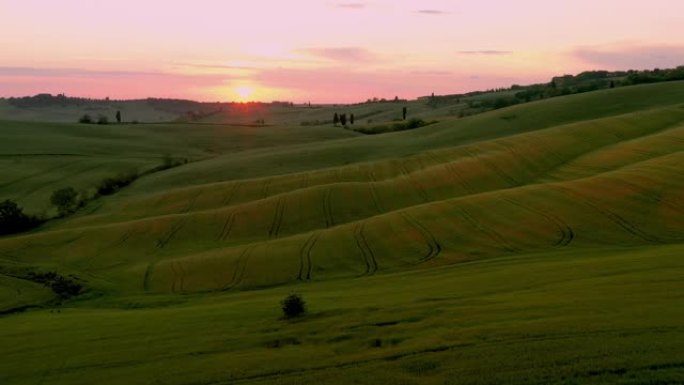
x=109, y=186
x=102, y=120
x=13, y=220
x=62, y=286
x=85, y=119
x=293, y=306
x=65, y=200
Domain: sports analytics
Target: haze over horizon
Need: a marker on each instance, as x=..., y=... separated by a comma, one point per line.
x=324, y=52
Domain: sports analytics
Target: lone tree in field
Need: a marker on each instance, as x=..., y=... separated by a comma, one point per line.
x=65, y=200
x=403, y=113
x=336, y=119
x=118, y=116
x=343, y=119
x=351, y=119
x=293, y=306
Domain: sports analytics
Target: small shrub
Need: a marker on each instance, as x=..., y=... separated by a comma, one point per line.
x=65, y=200
x=85, y=119
x=102, y=120
x=293, y=306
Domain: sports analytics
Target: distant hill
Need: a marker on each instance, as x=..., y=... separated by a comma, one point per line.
x=62, y=108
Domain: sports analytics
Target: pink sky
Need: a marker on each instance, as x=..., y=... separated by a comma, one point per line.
x=322, y=51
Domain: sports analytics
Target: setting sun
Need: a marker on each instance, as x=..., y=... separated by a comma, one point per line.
x=243, y=92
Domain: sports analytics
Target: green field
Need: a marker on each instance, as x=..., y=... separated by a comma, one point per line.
x=539, y=243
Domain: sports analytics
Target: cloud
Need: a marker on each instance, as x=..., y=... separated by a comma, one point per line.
x=351, y=5
x=631, y=57
x=486, y=52
x=18, y=81
x=434, y=12
x=343, y=54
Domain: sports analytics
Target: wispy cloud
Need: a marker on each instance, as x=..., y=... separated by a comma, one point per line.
x=351, y=5
x=631, y=57
x=19, y=81
x=486, y=52
x=343, y=54
x=433, y=12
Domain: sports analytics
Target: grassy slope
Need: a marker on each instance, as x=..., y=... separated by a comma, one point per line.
x=561, y=207
x=554, y=318
x=38, y=158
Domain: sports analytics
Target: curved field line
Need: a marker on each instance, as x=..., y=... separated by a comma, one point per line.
x=229, y=198
x=305, y=265
x=613, y=217
x=419, y=188
x=305, y=181
x=227, y=226
x=63, y=178
x=277, y=218
x=433, y=245
x=366, y=251
x=265, y=188
x=163, y=241
x=493, y=235
x=567, y=234
x=455, y=175
x=327, y=209
x=498, y=171
x=48, y=171
x=240, y=267
x=148, y=274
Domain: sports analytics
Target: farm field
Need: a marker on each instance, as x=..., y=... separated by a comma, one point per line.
x=539, y=243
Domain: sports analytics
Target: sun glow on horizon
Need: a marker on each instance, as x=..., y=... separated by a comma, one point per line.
x=243, y=92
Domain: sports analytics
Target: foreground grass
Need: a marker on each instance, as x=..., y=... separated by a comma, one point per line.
x=610, y=316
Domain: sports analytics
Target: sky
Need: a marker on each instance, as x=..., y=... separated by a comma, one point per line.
x=323, y=51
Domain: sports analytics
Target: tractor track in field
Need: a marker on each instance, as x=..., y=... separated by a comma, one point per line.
x=277, y=218
x=374, y=192
x=434, y=247
x=366, y=251
x=148, y=275
x=169, y=235
x=305, y=264
x=455, y=175
x=498, y=171
x=38, y=188
x=567, y=234
x=228, y=200
x=265, y=188
x=240, y=268
x=493, y=235
x=305, y=181
x=327, y=209
x=227, y=226
x=37, y=174
x=419, y=188
x=612, y=216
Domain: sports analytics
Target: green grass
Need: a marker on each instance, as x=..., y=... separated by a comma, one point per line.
x=581, y=317
x=535, y=244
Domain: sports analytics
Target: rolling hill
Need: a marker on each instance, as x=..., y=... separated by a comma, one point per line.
x=542, y=240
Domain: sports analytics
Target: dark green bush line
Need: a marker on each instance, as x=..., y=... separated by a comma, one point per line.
x=13, y=219
x=64, y=287
x=411, y=124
